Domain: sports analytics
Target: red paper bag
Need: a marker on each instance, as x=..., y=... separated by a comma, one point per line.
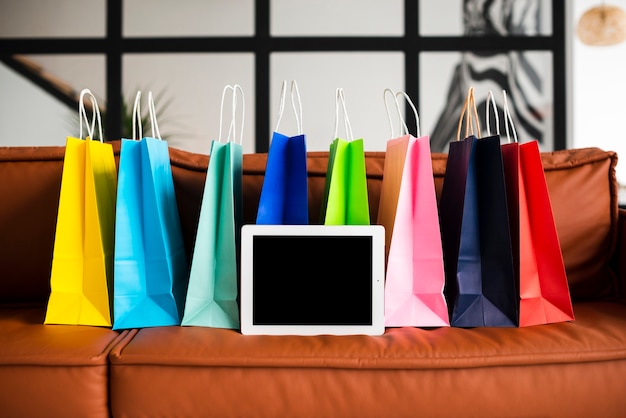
x=543, y=287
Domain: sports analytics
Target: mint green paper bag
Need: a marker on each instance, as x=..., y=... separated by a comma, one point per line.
x=345, y=199
x=212, y=292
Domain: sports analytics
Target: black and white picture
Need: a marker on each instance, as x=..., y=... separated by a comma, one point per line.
x=525, y=75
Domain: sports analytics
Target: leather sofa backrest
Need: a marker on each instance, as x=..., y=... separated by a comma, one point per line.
x=582, y=186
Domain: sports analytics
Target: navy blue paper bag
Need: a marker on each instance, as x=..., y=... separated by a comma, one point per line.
x=284, y=196
x=480, y=279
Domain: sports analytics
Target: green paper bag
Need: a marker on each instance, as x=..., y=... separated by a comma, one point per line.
x=345, y=199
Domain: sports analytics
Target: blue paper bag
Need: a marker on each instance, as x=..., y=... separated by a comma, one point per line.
x=150, y=263
x=284, y=196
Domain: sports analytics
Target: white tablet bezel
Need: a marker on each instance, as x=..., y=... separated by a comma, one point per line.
x=377, y=232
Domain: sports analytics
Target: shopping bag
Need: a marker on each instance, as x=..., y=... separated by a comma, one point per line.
x=539, y=267
x=480, y=280
x=345, y=200
x=284, y=196
x=150, y=265
x=408, y=210
x=212, y=292
x=82, y=261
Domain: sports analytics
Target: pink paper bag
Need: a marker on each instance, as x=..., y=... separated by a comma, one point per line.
x=415, y=274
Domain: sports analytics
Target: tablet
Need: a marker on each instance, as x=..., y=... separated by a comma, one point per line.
x=312, y=280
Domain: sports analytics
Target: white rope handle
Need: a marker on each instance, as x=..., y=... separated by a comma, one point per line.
x=153, y=120
x=137, y=117
x=297, y=110
x=281, y=104
x=237, y=88
x=295, y=93
x=395, y=99
x=340, y=97
x=82, y=115
x=232, y=127
x=417, y=118
x=508, y=118
x=491, y=99
x=232, y=122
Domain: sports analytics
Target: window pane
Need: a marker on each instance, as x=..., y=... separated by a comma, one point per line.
x=75, y=71
x=30, y=115
x=71, y=19
x=526, y=76
x=478, y=18
x=363, y=76
x=188, y=91
x=336, y=18
x=161, y=18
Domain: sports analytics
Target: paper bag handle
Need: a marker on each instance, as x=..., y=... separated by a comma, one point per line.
x=395, y=99
x=137, y=123
x=153, y=120
x=82, y=115
x=471, y=117
x=404, y=130
x=491, y=99
x=417, y=118
x=508, y=120
x=295, y=94
x=340, y=97
x=232, y=128
x=137, y=117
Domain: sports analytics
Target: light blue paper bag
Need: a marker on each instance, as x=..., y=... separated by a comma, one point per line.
x=150, y=265
x=212, y=291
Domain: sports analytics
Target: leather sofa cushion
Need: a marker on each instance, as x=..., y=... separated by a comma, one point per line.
x=536, y=371
x=48, y=370
x=581, y=182
x=30, y=182
x=584, y=196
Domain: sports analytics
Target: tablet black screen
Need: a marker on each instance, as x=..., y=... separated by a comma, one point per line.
x=312, y=280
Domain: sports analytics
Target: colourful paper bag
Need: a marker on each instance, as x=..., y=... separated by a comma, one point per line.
x=284, y=196
x=545, y=296
x=345, y=200
x=151, y=271
x=539, y=267
x=480, y=279
x=82, y=261
x=212, y=292
x=408, y=210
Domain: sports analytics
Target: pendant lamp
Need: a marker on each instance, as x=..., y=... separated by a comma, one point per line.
x=602, y=26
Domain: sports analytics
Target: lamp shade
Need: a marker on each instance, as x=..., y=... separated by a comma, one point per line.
x=602, y=26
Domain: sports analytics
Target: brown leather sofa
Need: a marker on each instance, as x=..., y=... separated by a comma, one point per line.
x=565, y=369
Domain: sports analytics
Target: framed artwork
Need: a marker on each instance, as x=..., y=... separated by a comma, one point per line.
x=527, y=76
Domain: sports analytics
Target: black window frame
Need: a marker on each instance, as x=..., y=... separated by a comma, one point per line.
x=262, y=44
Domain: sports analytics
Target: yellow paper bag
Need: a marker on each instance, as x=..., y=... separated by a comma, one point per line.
x=82, y=262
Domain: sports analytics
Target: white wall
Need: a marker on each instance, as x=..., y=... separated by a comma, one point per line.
x=598, y=88
x=28, y=115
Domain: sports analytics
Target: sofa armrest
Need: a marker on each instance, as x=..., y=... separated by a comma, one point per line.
x=619, y=261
